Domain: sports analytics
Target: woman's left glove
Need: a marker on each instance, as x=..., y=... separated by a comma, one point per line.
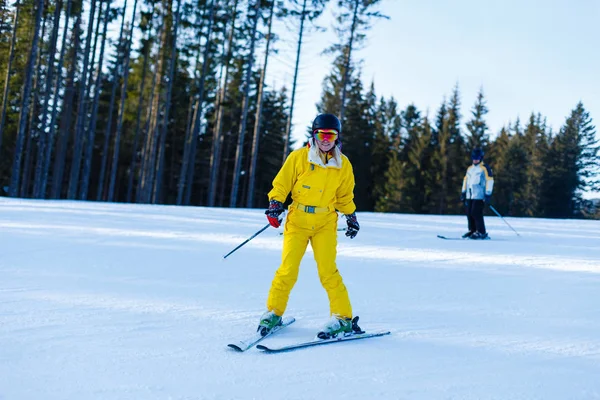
x=353, y=226
x=273, y=212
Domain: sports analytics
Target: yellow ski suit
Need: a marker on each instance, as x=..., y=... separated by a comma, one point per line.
x=318, y=189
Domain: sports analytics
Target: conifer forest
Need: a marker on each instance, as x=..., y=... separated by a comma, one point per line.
x=173, y=107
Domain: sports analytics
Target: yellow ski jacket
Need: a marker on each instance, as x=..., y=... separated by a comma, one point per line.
x=314, y=183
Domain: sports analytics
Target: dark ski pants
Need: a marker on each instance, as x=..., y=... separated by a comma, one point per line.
x=474, y=211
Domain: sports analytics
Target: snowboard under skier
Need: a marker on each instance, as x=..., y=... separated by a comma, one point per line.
x=477, y=188
x=321, y=182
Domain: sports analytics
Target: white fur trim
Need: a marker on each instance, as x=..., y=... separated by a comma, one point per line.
x=314, y=156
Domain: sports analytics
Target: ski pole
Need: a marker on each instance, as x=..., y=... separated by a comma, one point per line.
x=498, y=214
x=247, y=240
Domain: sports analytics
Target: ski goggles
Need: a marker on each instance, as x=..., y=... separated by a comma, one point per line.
x=330, y=135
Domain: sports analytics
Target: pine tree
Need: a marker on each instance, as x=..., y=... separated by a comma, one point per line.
x=478, y=136
x=448, y=157
x=409, y=146
x=272, y=139
x=457, y=155
x=570, y=167
x=515, y=181
x=496, y=156
x=392, y=199
x=357, y=144
x=437, y=171
x=535, y=145
x=415, y=191
x=387, y=126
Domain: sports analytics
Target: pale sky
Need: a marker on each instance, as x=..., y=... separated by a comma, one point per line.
x=539, y=56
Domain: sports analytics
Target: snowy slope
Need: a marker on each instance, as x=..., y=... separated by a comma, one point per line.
x=110, y=301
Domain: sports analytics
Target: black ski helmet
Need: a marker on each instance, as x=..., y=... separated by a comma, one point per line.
x=477, y=154
x=328, y=121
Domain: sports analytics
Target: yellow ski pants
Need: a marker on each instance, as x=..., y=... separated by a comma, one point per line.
x=321, y=231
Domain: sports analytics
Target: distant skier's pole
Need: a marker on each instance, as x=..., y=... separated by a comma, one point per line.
x=247, y=240
x=498, y=214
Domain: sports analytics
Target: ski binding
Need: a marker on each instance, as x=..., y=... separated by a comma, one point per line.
x=250, y=342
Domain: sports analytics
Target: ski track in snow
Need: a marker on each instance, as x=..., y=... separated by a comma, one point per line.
x=364, y=252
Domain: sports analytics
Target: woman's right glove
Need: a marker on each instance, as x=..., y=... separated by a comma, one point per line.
x=353, y=226
x=273, y=212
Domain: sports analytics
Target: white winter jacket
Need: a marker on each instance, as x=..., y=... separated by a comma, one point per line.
x=478, y=182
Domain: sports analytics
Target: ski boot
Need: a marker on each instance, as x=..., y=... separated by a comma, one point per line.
x=337, y=326
x=468, y=235
x=479, y=236
x=268, y=321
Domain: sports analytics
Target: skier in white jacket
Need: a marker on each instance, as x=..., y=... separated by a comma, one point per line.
x=477, y=188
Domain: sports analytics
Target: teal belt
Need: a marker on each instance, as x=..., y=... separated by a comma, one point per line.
x=310, y=209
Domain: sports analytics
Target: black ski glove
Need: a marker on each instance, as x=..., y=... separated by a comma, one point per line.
x=463, y=196
x=273, y=212
x=487, y=198
x=353, y=226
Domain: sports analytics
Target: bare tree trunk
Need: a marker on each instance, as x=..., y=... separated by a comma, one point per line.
x=134, y=151
x=91, y=132
x=65, y=123
x=181, y=184
x=158, y=172
x=123, y=99
x=215, y=157
x=90, y=78
x=81, y=107
x=228, y=143
x=288, y=128
x=111, y=107
x=189, y=164
x=149, y=158
x=57, y=86
x=347, y=66
x=145, y=132
x=11, y=57
x=16, y=167
x=256, y=137
x=26, y=162
x=240, y=147
x=191, y=116
x=44, y=135
x=32, y=126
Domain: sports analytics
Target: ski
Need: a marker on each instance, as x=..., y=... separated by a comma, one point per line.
x=459, y=238
x=250, y=342
x=449, y=238
x=318, y=342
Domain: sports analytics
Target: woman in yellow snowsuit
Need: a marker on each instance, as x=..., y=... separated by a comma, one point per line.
x=321, y=182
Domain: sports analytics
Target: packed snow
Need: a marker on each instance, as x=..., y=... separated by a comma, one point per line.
x=115, y=301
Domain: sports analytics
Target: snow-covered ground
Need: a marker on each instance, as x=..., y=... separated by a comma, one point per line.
x=112, y=301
